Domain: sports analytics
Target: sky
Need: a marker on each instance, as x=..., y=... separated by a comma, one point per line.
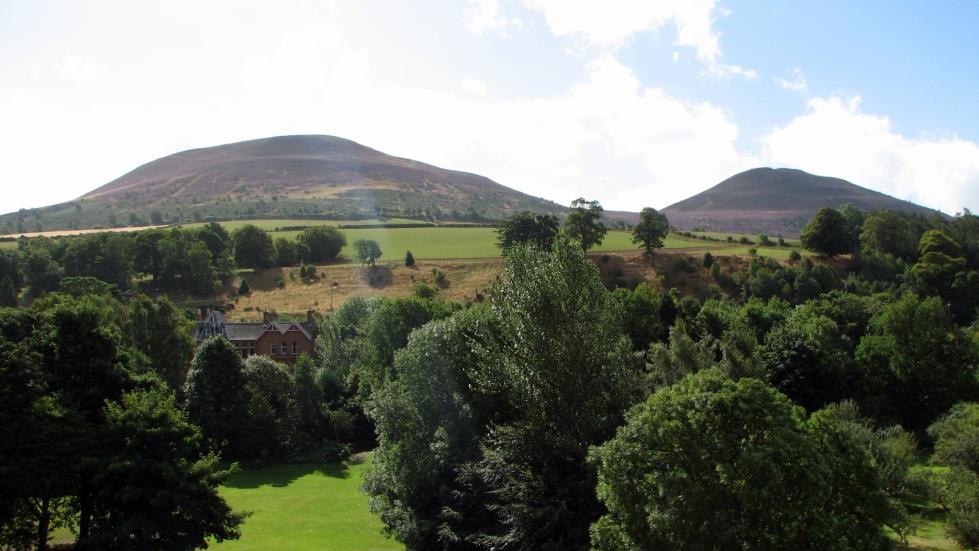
x=631, y=102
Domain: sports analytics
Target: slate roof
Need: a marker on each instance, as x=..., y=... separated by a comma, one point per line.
x=215, y=324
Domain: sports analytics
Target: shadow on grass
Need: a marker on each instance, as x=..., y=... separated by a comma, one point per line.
x=279, y=476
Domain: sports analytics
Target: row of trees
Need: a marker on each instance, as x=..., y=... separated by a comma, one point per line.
x=193, y=261
x=583, y=224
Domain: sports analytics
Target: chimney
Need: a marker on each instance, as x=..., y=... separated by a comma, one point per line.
x=268, y=316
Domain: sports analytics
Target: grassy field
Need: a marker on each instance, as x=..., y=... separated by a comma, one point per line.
x=439, y=243
x=300, y=507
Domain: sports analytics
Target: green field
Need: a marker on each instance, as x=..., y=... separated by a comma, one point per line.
x=306, y=506
x=437, y=243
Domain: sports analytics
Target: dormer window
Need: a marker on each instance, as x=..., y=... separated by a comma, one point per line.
x=273, y=349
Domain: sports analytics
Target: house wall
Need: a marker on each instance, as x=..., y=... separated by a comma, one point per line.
x=302, y=344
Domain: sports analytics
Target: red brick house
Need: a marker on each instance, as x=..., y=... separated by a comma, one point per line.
x=283, y=341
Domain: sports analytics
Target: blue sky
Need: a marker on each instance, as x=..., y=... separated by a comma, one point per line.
x=631, y=102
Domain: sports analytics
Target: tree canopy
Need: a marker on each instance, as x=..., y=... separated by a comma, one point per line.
x=651, y=229
x=584, y=224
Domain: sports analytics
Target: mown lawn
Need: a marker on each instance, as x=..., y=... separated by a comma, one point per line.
x=306, y=506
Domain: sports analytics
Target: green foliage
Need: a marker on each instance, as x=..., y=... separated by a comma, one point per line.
x=891, y=233
x=252, y=247
x=322, y=243
x=651, y=229
x=708, y=260
x=158, y=491
x=957, y=445
x=270, y=406
x=827, y=233
x=217, y=397
x=286, y=252
x=527, y=227
x=105, y=256
x=368, y=251
x=584, y=223
x=244, y=289
x=646, y=315
x=409, y=259
x=711, y=463
x=493, y=453
x=165, y=335
x=921, y=362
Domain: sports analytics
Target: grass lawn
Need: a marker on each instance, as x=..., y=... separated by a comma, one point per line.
x=724, y=235
x=306, y=506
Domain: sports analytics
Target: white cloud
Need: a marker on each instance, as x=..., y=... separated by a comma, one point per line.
x=835, y=137
x=611, y=24
x=483, y=17
x=797, y=84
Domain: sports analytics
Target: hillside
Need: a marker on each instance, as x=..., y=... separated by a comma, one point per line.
x=285, y=176
x=776, y=202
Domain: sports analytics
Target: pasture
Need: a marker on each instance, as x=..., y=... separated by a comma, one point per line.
x=305, y=507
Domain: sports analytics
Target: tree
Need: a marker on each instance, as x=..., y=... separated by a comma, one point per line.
x=711, y=463
x=409, y=259
x=217, y=396
x=252, y=247
x=43, y=274
x=243, y=288
x=286, y=252
x=159, y=491
x=323, y=242
x=527, y=227
x=270, y=390
x=162, y=332
x=920, y=361
x=827, y=233
x=493, y=454
x=651, y=229
x=584, y=223
x=888, y=232
x=368, y=251
x=957, y=446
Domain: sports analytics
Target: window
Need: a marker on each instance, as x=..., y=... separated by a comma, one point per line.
x=295, y=348
x=251, y=349
x=285, y=348
x=273, y=350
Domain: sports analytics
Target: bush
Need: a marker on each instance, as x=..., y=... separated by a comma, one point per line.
x=744, y=240
x=753, y=251
x=794, y=256
x=244, y=289
x=708, y=260
x=409, y=259
x=440, y=278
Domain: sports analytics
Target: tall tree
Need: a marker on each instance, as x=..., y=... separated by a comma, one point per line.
x=527, y=227
x=368, y=251
x=162, y=332
x=827, y=233
x=252, y=247
x=217, y=396
x=159, y=490
x=323, y=243
x=651, y=229
x=584, y=223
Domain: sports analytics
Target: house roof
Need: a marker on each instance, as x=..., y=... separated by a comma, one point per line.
x=215, y=324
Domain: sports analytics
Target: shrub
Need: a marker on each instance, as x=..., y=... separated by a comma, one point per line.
x=708, y=260
x=753, y=251
x=243, y=288
x=409, y=259
x=794, y=256
x=744, y=240
x=440, y=278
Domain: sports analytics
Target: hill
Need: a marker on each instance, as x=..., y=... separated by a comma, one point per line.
x=285, y=177
x=776, y=201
